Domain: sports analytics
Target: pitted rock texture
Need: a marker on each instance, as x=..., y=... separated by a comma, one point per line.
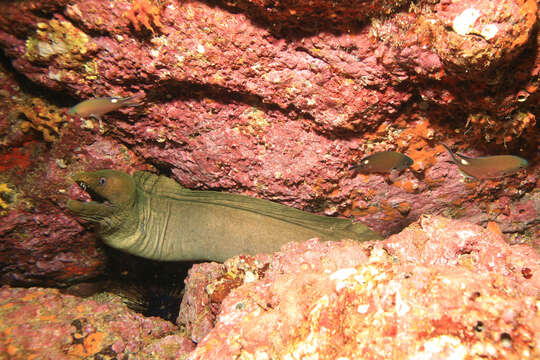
x=39, y=323
x=439, y=289
x=274, y=100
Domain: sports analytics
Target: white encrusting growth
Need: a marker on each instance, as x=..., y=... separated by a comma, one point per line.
x=489, y=31
x=464, y=22
x=343, y=274
x=362, y=309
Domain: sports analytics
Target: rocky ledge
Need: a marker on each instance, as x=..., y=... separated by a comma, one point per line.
x=439, y=289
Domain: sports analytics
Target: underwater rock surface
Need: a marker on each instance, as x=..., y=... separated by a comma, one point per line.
x=39, y=323
x=270, y=99
x=439, y=289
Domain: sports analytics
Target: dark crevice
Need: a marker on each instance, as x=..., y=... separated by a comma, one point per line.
x=162, y=168
x=281, y=21
x=153, y=288
x=60, y=99
x=185, y=90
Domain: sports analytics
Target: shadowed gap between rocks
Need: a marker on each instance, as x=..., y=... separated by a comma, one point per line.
x=61, y=99
x=185, y=90
x=152, y=288
x=295, y=27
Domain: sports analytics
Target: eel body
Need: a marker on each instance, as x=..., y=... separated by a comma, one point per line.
x=155, y=217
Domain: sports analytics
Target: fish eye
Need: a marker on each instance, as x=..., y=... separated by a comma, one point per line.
x=102, y=181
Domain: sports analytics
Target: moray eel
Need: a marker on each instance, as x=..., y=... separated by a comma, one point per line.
x=487, y=167
x=156, y=218
x=383, y=162
x=98, y=107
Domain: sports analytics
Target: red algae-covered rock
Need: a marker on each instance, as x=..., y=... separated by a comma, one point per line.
x=39, y=323
x=472, y=37
x=208, y=284
x=40, y=149
x=46, y=248
x=275, y=100
x=22, y=17
x=170, y=347
x=440, y=241
x=304, y=14
x=439, y=289
x=196, y=311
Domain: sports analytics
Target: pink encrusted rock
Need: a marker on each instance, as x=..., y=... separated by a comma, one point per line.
x=304, y=14
x=39, y=323
x=240, y=100
x=170, y=347
x=197, y=313
x=472, y=37
x=439, y=289
x=46, y=249
x=208, y=284
x=441, y=241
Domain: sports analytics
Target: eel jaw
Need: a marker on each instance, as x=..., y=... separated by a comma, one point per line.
x=93, y=207
x=94, y=196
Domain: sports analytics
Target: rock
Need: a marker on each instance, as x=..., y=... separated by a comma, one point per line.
x=196, y=311
x=440, y=288
x=272, y=100
x=307, y=16
x=34, y=249
x=474, y=37
x=208, y=284
x=42, y=323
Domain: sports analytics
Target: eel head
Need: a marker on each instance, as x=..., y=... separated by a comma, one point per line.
x=106, y=193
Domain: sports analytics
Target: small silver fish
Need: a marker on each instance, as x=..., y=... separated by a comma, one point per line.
x=487, y=167
x=384, y=162
x=98, y=107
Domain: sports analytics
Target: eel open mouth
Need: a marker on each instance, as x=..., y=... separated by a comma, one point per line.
x=84, y=193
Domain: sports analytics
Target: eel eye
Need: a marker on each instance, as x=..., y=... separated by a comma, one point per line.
x=102, y=181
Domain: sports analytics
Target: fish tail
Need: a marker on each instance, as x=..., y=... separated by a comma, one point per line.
x=134, y=100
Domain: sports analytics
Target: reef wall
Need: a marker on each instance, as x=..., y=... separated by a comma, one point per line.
x=273, y=99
